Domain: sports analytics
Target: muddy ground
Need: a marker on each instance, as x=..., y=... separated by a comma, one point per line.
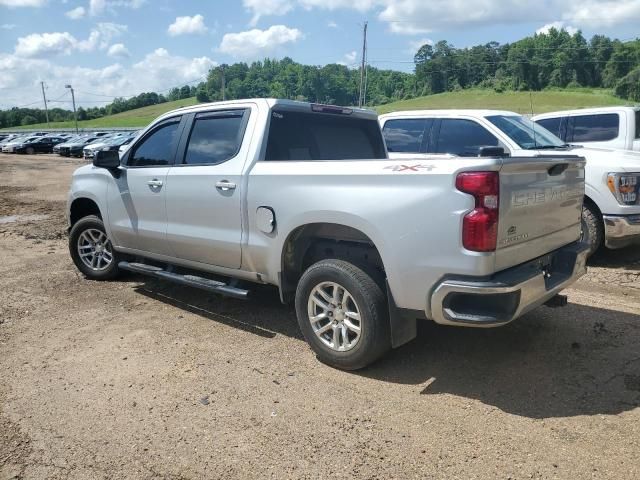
x=145, y=380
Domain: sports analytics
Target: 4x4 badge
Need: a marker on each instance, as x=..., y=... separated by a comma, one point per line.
x=412, y=168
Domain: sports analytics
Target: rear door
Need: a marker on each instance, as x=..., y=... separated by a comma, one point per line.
x=205, y=188
x=137, y=198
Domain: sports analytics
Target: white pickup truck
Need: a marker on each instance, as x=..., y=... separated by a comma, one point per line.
x=303, y=197
x=607, y=127
x=611, y=212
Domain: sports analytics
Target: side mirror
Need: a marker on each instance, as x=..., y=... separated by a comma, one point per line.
x=491, y=152
x=108, y=159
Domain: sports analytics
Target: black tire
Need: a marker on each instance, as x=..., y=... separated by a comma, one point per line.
x=592, y=228
x=88, y=226
x=374, y=338
x=30, y=151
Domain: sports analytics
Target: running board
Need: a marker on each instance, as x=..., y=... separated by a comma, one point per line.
x=189, y=280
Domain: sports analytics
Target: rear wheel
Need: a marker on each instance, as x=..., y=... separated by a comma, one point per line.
x=592, y=228
x=343, y=315
x=91, y=249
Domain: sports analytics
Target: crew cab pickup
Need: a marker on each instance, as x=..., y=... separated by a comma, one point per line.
x=303, y=197
x=611, y=212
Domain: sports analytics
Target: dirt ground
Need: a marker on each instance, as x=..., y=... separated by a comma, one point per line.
x=146, y=380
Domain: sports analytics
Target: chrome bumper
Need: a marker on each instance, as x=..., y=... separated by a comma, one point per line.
x=507, y=295
x=621, y=230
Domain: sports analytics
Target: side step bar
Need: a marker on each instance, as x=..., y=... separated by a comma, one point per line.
x=189, y=280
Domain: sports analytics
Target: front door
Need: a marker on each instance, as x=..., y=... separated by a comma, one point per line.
x=137, y=197
x=205, y=189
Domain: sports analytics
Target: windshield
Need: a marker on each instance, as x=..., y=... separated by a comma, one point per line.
x=527, y=134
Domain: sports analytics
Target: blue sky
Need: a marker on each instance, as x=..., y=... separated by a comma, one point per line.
x=108, y=48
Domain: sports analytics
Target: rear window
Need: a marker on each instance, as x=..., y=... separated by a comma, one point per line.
x=406, y=135
x=595, y=128
x=551, y=124
x=318, y=136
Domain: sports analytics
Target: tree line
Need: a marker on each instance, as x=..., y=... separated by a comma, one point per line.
x=556, y=59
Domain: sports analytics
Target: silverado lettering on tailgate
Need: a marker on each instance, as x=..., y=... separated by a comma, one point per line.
x=536, y=197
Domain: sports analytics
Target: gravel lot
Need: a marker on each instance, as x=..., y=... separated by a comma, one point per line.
x=140, y=379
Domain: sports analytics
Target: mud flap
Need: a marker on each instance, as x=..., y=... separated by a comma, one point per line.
x=403, y=322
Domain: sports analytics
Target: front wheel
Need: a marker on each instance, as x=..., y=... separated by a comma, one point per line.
x=592, y=228
x=343, y=314
x=91, y=249
x=30, y=151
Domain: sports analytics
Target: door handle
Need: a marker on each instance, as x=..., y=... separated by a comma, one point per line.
x=225, y=185
x=154, y=183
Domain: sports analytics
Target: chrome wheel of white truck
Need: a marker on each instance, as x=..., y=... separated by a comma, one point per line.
x=91, y=249
x=342, y=313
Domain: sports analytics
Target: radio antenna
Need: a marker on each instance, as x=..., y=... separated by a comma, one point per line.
x=535, y=140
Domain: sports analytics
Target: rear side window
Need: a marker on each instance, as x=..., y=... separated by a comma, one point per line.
x=215, y=137
x=638, y=124
x=463, y=137
x=595, y=128
x=551, y=124
x=406, y=135
x=318, y=136
x=157, y=148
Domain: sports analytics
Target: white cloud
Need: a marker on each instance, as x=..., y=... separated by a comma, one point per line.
x=41, y=45
x=332, y=24
x=349, y=59
x=45, y=44
x=187, y=25
x=98, y=7
x=415, y=45
x=159, y=70
x=360, y=5
x=23, y=3
x=558, y=26
x=598, y=14
x=8, y=26
x=118, y=50
x=263, y=8
x=257, y=43
x=76, y=14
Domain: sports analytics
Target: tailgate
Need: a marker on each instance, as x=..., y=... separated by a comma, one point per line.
x=540, y=206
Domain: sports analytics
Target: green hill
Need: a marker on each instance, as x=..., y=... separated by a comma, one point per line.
x=131, y=118
x=544, y=101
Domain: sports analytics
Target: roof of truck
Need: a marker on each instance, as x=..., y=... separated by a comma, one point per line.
x=268, y=102
x=447, y=113
x=587, y=111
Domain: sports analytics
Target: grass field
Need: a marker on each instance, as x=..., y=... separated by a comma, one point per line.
x=544, y=101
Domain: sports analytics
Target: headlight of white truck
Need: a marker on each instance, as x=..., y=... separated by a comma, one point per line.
x=624, y=187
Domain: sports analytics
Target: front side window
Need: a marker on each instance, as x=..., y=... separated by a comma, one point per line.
x=527, y=134
x=638, y=124
x=215, y=137
x=406, y=135
x=463, y=137
x=158, y=148
x=596, y=128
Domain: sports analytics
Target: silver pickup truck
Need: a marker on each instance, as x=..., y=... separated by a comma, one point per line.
x=303, y=197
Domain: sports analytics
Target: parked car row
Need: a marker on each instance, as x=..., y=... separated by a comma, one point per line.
x=65, y=144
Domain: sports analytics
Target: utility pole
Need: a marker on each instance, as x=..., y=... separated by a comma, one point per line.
x=44, y=98
x=223, y=82
x=361, y=98
x=73, y=99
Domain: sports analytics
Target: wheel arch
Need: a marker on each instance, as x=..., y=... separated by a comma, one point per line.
x=82, y=207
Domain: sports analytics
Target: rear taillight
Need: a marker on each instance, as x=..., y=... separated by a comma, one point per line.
x=480, y=226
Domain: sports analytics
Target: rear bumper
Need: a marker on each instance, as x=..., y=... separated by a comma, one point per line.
x=509, y=294
x=621, y=230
